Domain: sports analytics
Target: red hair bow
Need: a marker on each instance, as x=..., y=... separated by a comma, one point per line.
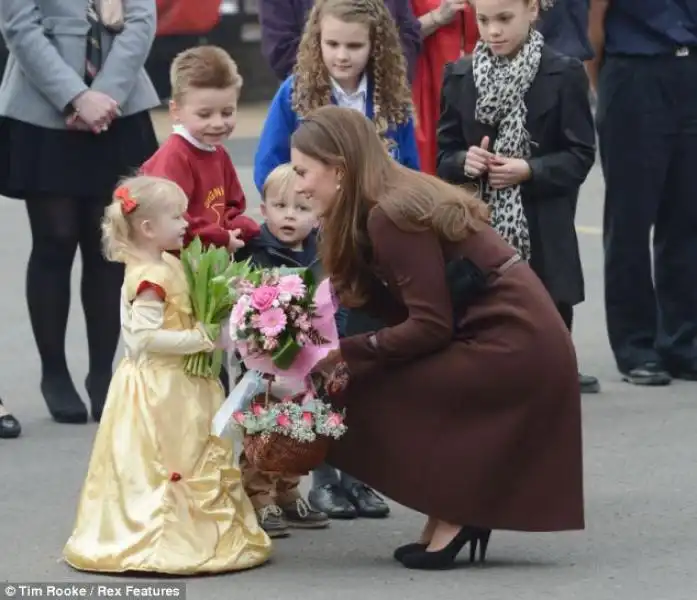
x=128, y=202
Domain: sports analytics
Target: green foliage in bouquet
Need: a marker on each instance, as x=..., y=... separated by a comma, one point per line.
x=283, y=357
x=211, y=273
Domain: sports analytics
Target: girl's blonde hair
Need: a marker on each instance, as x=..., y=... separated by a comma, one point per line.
x=280, y=181
x=392, y=103
x=344, y=139
x=134, y=200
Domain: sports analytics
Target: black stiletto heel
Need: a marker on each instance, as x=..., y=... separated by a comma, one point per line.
x=483, y=541
x=445, y=558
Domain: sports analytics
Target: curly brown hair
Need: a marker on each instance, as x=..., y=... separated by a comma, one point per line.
x=392, y=104
x=344, y=139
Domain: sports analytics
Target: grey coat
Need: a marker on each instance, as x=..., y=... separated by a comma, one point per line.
x=45, y=71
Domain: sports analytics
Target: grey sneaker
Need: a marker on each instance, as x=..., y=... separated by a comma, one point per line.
x=301, y=515
x=272, y=521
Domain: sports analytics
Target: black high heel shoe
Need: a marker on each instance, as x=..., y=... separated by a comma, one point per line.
x=482, y=539
x=402, y=551
x=445, y=558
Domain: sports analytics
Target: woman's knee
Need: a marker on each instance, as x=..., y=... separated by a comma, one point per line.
x=54, y=230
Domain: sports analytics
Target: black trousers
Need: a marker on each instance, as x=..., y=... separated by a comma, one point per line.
x=647, y=127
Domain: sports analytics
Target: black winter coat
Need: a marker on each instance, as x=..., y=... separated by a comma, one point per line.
x=560, y=123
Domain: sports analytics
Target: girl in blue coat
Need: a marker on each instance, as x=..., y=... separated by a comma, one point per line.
x=349, y=55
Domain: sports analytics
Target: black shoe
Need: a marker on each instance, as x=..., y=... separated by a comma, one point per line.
x=588, y=384
x=62, y=400
x=402, y=551
x=9, y=426
x=367, y=502
x=649, y=373
x=684, y=371
x=332, y=501
x=445, y=558
x=97, y=386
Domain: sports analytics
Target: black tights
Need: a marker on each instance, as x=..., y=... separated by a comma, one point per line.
x=59, y=226
x=567, y=313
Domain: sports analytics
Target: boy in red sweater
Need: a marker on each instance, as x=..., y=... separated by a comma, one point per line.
x=205, y=88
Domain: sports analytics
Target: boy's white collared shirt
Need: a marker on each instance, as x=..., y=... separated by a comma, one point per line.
x=358, y=100
x=184, y=132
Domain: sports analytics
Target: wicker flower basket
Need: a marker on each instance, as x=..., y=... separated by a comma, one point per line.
x=278, y=453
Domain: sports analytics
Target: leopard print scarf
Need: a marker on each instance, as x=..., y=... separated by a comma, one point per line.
x=501, y=87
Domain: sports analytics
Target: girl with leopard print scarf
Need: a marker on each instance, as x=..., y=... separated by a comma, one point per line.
x=516, y=122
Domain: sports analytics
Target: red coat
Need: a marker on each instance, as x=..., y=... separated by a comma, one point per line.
x=446, y=45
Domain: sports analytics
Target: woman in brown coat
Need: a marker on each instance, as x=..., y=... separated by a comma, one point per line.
x=466, y=407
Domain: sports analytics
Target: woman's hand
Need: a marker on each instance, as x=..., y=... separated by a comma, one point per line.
x=338, y=379
x=328, y=363
x=448, y=9
x=75, y=123
x=507, y=172
x=478, y=159
x=95, y=109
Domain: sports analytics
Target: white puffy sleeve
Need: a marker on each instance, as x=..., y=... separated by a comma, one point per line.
x=143, y=332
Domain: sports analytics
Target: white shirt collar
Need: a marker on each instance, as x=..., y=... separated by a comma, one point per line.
x=360, y=94
x=184, y=132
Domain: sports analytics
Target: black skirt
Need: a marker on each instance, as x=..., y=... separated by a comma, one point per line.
x=39, y=162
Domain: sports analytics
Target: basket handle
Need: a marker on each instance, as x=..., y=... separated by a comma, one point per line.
x=269, y=378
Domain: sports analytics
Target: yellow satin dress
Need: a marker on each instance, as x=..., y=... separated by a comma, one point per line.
x=162, y=494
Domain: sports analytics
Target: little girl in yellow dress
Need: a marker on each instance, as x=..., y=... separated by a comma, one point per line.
x=162, y=494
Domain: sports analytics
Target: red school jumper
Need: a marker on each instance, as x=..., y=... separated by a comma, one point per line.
x=210, y=182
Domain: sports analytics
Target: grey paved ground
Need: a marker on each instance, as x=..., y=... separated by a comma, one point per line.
x=640, y=448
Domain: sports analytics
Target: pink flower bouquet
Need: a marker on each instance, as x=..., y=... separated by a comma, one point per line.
x=283, y=323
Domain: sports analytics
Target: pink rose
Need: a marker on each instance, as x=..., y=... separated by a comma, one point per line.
x=334, y=420
x=238, y=417
x=292, y=285
x=283, y=421
x=258, y=410
x=307, y=419
x=263, y=297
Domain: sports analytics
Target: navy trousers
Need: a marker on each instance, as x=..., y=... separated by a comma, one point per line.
x=647, y=127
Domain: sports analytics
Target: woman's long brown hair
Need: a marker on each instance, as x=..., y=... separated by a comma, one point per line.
x=345, y=139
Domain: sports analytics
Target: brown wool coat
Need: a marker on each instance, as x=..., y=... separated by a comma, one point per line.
x=479, y=427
